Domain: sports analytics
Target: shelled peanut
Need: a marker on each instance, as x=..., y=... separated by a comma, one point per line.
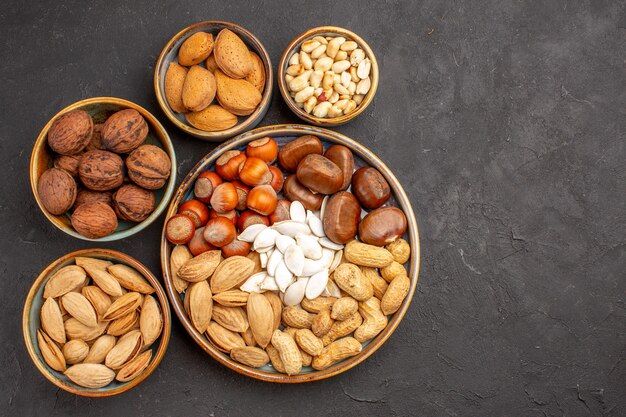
x=329, y=76
x=98, y=322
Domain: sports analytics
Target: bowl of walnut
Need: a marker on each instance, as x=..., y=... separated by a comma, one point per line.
x=103, y=169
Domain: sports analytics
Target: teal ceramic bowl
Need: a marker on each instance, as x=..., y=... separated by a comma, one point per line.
x=31, y=322
x=100, y=108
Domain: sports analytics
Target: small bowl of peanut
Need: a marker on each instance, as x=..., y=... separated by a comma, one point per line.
x=328, y=76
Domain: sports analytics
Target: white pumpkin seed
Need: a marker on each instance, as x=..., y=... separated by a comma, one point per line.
x=269, y=284
x=316, y=284
x=291, y=228
x=312, y=267
x=309, y=246
x=336, y=260
x=295, y=292
x=327, y=243
x=283, y=276
x=263, y=257
x=272, y=263
x=294, y=259
x=297, y=212
x=251, y=232
x=265, y=239
x=316, y=226
x=283, y=242
x=332, y=290
x=253, y=284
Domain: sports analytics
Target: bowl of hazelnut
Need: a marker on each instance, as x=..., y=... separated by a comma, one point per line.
x=103, y=169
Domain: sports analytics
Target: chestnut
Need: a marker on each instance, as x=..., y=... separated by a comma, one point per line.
x=319, y=174
x=292, y=153
x=195, y=209
x=224, y=198
x=342, y=157
x=262, y=199
x=382, y=226
x=205, y=184
x=219, y=231
x=255, y=172
x=264, y=148
x=281, y=213
x=293, y=190
x=242, y=194
x=229, y=164
x=230, y=215
x=250, y=217
x=236, y=248
x=198, y=244
x=179, y=229
x=341, y=217
x=370, y=187
x=277, y=178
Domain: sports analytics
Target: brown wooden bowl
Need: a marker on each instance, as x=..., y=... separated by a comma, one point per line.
x=31, y=322
x=284, y=132
x=284, y=63
x=170, y=54
x=100, y=108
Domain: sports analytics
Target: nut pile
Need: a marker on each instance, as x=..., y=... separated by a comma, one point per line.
x=287, y=281
x=98, y=322
x=329, y=76
x=102, y=172
x=224, y=69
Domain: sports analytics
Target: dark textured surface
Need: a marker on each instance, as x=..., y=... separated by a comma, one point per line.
x=504, y=120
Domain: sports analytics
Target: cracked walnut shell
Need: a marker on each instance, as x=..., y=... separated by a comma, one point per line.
x=133, y=203
x=101, y=170
x=149, y=166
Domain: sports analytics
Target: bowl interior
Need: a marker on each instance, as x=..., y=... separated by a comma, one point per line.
x=100, y=109
x=170, y=54
x=295, y=46
x=32, y=322
x=283, y=135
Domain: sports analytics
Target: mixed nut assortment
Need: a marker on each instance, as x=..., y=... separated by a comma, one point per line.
x=224, y=69
x=270, y=268
x=329, y=76
x=102, y=172
x=98, y=322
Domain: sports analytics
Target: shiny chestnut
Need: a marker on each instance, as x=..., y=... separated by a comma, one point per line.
x=264, y=148
x=219, y=231
x=197, y=210
x=205, y=184
x=242, y=194
x=370, y=187
x=319, y=174
x=343, y=158
x=341, y=217
x=229, y=164
x=262, y=199
x=281, y=213
x=198, y=244
x=277, y=178
x=236, y=248
x=224, y=198
x=382, y=226
x=292, y=153
x=255, y=172
x=230, y=215
x=293, y=190
x=250, y=217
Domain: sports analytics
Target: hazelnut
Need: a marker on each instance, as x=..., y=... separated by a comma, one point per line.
x=96, y=138
x=149, y=166
x=68, y=163
x=101, y=170
x=124, y=131
x=57, y=190
x=94, y=220
x=133, y=203
x=90, y=196
x=71, y=132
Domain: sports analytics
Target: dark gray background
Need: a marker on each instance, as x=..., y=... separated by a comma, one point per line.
x=505, y=122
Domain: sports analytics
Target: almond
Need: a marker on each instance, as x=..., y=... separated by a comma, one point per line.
x=212, y=119
x=257, y=75
x=134, y=367
x=150, y=320
x=100, y=348
x=200, y=267
x=179, y=256
x=200, y=305
x=232, y=318
x=75, y=351
x=52, y=320
x=64, y=280
x=74, y=329
x=250, y=355
x=198, y=89
x=237, y=96
x=123, y=325
x=232, y=298
x=90, y=375
x=98, y=299
x=124, y=350
x=261, y=318
x=123, y=305
x=174, y=81
x=195, y=49
x=231, y=273
x=50, y=352
x=130, y=279
x=223, y=338
x=80, y=308
x=232, y=55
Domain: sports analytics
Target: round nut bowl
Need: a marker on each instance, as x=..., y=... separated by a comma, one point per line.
x=31, y=322
x=283, y=134
x=295, y=45
x=170, y=54
x=100, y=108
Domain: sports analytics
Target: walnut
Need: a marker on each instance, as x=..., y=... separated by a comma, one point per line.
x=133, y=203
x=94, y=220
x=68, y=163
x=149, y=166
x=96, y=138
x=101, y=170
x=71, y=132
x=124, y=131
x=57, y=190
x=89, y=196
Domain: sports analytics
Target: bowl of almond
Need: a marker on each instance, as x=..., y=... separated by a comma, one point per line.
x=290, y=253
x=213, y=80
x=96, y=322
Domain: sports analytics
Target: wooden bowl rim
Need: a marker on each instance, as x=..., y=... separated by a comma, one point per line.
x=158, y=130
x=253, y=119
x=284, y=91
x=165, y=334
x=403, y=202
